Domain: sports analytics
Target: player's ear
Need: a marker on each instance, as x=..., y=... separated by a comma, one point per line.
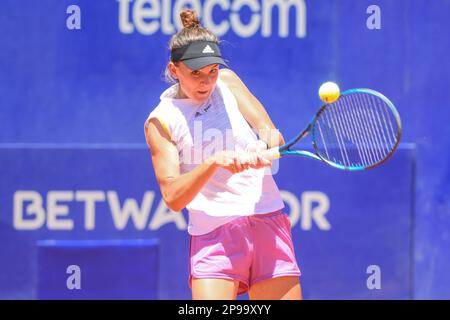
x=173, y=70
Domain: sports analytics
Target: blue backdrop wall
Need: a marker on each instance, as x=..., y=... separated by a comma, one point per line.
x=96, y=85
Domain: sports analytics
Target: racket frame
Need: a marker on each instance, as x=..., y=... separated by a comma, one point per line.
x=285, y=149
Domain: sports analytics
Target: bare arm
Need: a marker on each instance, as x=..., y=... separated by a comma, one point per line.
x=252, y=110
x=177, y=190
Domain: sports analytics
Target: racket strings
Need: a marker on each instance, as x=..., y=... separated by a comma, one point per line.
x=358, y=130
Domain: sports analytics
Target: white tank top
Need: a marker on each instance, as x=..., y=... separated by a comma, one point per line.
x=200, y=130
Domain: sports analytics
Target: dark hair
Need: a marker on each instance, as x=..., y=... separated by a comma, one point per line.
x=192, y=31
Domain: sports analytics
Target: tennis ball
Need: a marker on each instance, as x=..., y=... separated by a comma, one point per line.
x=329, y=92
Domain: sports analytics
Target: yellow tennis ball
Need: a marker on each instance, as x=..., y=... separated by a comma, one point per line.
x=329, y=92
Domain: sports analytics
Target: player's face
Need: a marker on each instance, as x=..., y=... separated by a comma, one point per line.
x=196, y=84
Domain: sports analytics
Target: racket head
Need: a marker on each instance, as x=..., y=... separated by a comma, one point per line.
x=359, y=131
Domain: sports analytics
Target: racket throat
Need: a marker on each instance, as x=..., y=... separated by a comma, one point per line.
x=303, y=153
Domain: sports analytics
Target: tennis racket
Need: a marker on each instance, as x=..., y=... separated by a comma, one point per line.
x=359, y=131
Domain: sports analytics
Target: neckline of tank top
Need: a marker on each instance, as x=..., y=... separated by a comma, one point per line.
x=172, y=90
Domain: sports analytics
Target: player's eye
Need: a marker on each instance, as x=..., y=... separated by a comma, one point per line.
x=214, y=71
x=195, y=73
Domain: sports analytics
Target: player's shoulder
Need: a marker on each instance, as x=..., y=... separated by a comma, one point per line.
x=229, y=77
x=232, y=81
x=160, y=120
x=167, y=106
x=163, y=112
x=160, y=108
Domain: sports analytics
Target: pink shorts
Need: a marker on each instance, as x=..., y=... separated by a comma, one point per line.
x=248, y=249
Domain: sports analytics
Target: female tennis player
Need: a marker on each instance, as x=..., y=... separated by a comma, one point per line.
x=205, y=138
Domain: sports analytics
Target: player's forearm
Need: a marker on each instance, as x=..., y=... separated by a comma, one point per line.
x=182, y=189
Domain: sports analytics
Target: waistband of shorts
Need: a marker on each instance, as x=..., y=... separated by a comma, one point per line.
x=266, y=215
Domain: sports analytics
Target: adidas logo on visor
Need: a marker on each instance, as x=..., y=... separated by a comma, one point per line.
x=208, y=49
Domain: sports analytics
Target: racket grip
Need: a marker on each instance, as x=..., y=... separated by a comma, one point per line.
x=271, y=154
